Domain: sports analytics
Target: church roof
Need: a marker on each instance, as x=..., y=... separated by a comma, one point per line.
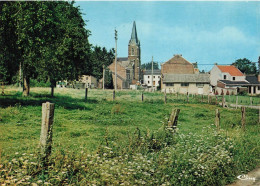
x=134, y=38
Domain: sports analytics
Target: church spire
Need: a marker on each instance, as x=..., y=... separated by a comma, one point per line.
x=134, y=38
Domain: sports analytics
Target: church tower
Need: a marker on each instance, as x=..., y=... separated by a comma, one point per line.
x=134, y=53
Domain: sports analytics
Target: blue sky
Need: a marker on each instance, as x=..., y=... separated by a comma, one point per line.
x=203, y=32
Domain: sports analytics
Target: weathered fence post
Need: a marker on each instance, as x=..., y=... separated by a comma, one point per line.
x=243, y=119
x=217, y=119
x=187, y=97
x=202, y=98
x=114, y=95
x=172, y=123
x=216, y=99
x=208, y=98
x=236, y=101
x=86, y=94
x=223, y=101
x=46, y=131
x=142, y=96
x=165, y=97
x=251, y=101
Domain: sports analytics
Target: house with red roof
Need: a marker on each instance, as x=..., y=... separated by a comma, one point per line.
x=230, y=80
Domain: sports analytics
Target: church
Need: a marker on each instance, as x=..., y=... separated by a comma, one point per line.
x=128, y=68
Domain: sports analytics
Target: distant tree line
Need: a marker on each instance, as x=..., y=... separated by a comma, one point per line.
x=49, y=41
x=148, y=66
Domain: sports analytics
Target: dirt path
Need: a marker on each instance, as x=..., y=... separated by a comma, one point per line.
x=250, y=179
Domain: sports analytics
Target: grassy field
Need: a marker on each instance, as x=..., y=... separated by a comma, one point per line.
x=106, y=142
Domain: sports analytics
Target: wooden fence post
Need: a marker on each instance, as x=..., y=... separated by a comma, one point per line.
x=251, y=101
x=202, y=98
x=216, y=100
x=243, y=119
x=86, y=94
x=208, y=98
x=187, y=97
x=114, y=95
x=217, y=119
x=165, y=97
x=46, y=131
x=236, y=101
x=142, y=96
x=173, y=120
x=223, y=101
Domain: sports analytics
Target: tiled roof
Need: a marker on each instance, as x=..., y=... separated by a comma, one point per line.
x=155, y=72
x=232, y=70
x=186, y=78
x=122, y=59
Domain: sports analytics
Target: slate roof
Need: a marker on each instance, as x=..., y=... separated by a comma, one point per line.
x=134, y=38
x=122, y=59
x=155, y=72
x=233, y=83
x=186, y=78
x=252, y=79
x=232, y=70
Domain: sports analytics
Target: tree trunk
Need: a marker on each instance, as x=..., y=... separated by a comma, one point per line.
x=26, y=86
x=53, y=84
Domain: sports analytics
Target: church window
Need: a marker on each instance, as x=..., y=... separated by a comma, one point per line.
x=133, y=51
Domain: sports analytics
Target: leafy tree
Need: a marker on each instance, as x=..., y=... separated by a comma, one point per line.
x=245, y=66
x=48, y=38
x=9, y=54
x=99, y=57
x=148, y=66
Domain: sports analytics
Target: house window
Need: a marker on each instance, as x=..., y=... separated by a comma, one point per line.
x=154, y=77
x=169, y=84
x=234, y=78
x=184, y=84
x=199, y=85
x=258, y=87
x=148, y=82
x=225, y=76
x=148, y=77
x=158, y=77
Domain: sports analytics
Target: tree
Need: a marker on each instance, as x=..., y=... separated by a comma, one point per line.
x=9, y=53
x=99, y=57
x=245, y=66
x=48, y=38
x=148, y=66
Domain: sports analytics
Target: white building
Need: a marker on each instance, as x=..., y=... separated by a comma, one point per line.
x=150, y=79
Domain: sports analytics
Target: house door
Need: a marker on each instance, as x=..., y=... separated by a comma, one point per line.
x=200, y=90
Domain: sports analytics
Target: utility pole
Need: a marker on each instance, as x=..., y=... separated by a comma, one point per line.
x=152, y=73
x=103, y=77
x=116, y=60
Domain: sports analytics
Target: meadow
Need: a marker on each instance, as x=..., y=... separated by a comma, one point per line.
x=126, y=141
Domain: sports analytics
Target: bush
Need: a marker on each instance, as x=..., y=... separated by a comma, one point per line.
x=36, y=83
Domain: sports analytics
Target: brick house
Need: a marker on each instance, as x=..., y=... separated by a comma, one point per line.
x=179, y=75
x=128, y=68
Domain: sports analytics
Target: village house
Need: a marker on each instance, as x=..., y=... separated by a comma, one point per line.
x=128, y=68
x=152, y=78
x=180, y=76
x=227, y=80
x=89, y=81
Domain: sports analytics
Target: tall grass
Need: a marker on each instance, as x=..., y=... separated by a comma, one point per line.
x=105, y=142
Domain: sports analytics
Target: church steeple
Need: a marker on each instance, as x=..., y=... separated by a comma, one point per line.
x=134, y=38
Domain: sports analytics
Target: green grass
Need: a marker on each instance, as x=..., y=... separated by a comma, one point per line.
x=100, y=141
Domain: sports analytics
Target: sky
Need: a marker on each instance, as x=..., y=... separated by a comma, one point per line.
x=202, y=31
